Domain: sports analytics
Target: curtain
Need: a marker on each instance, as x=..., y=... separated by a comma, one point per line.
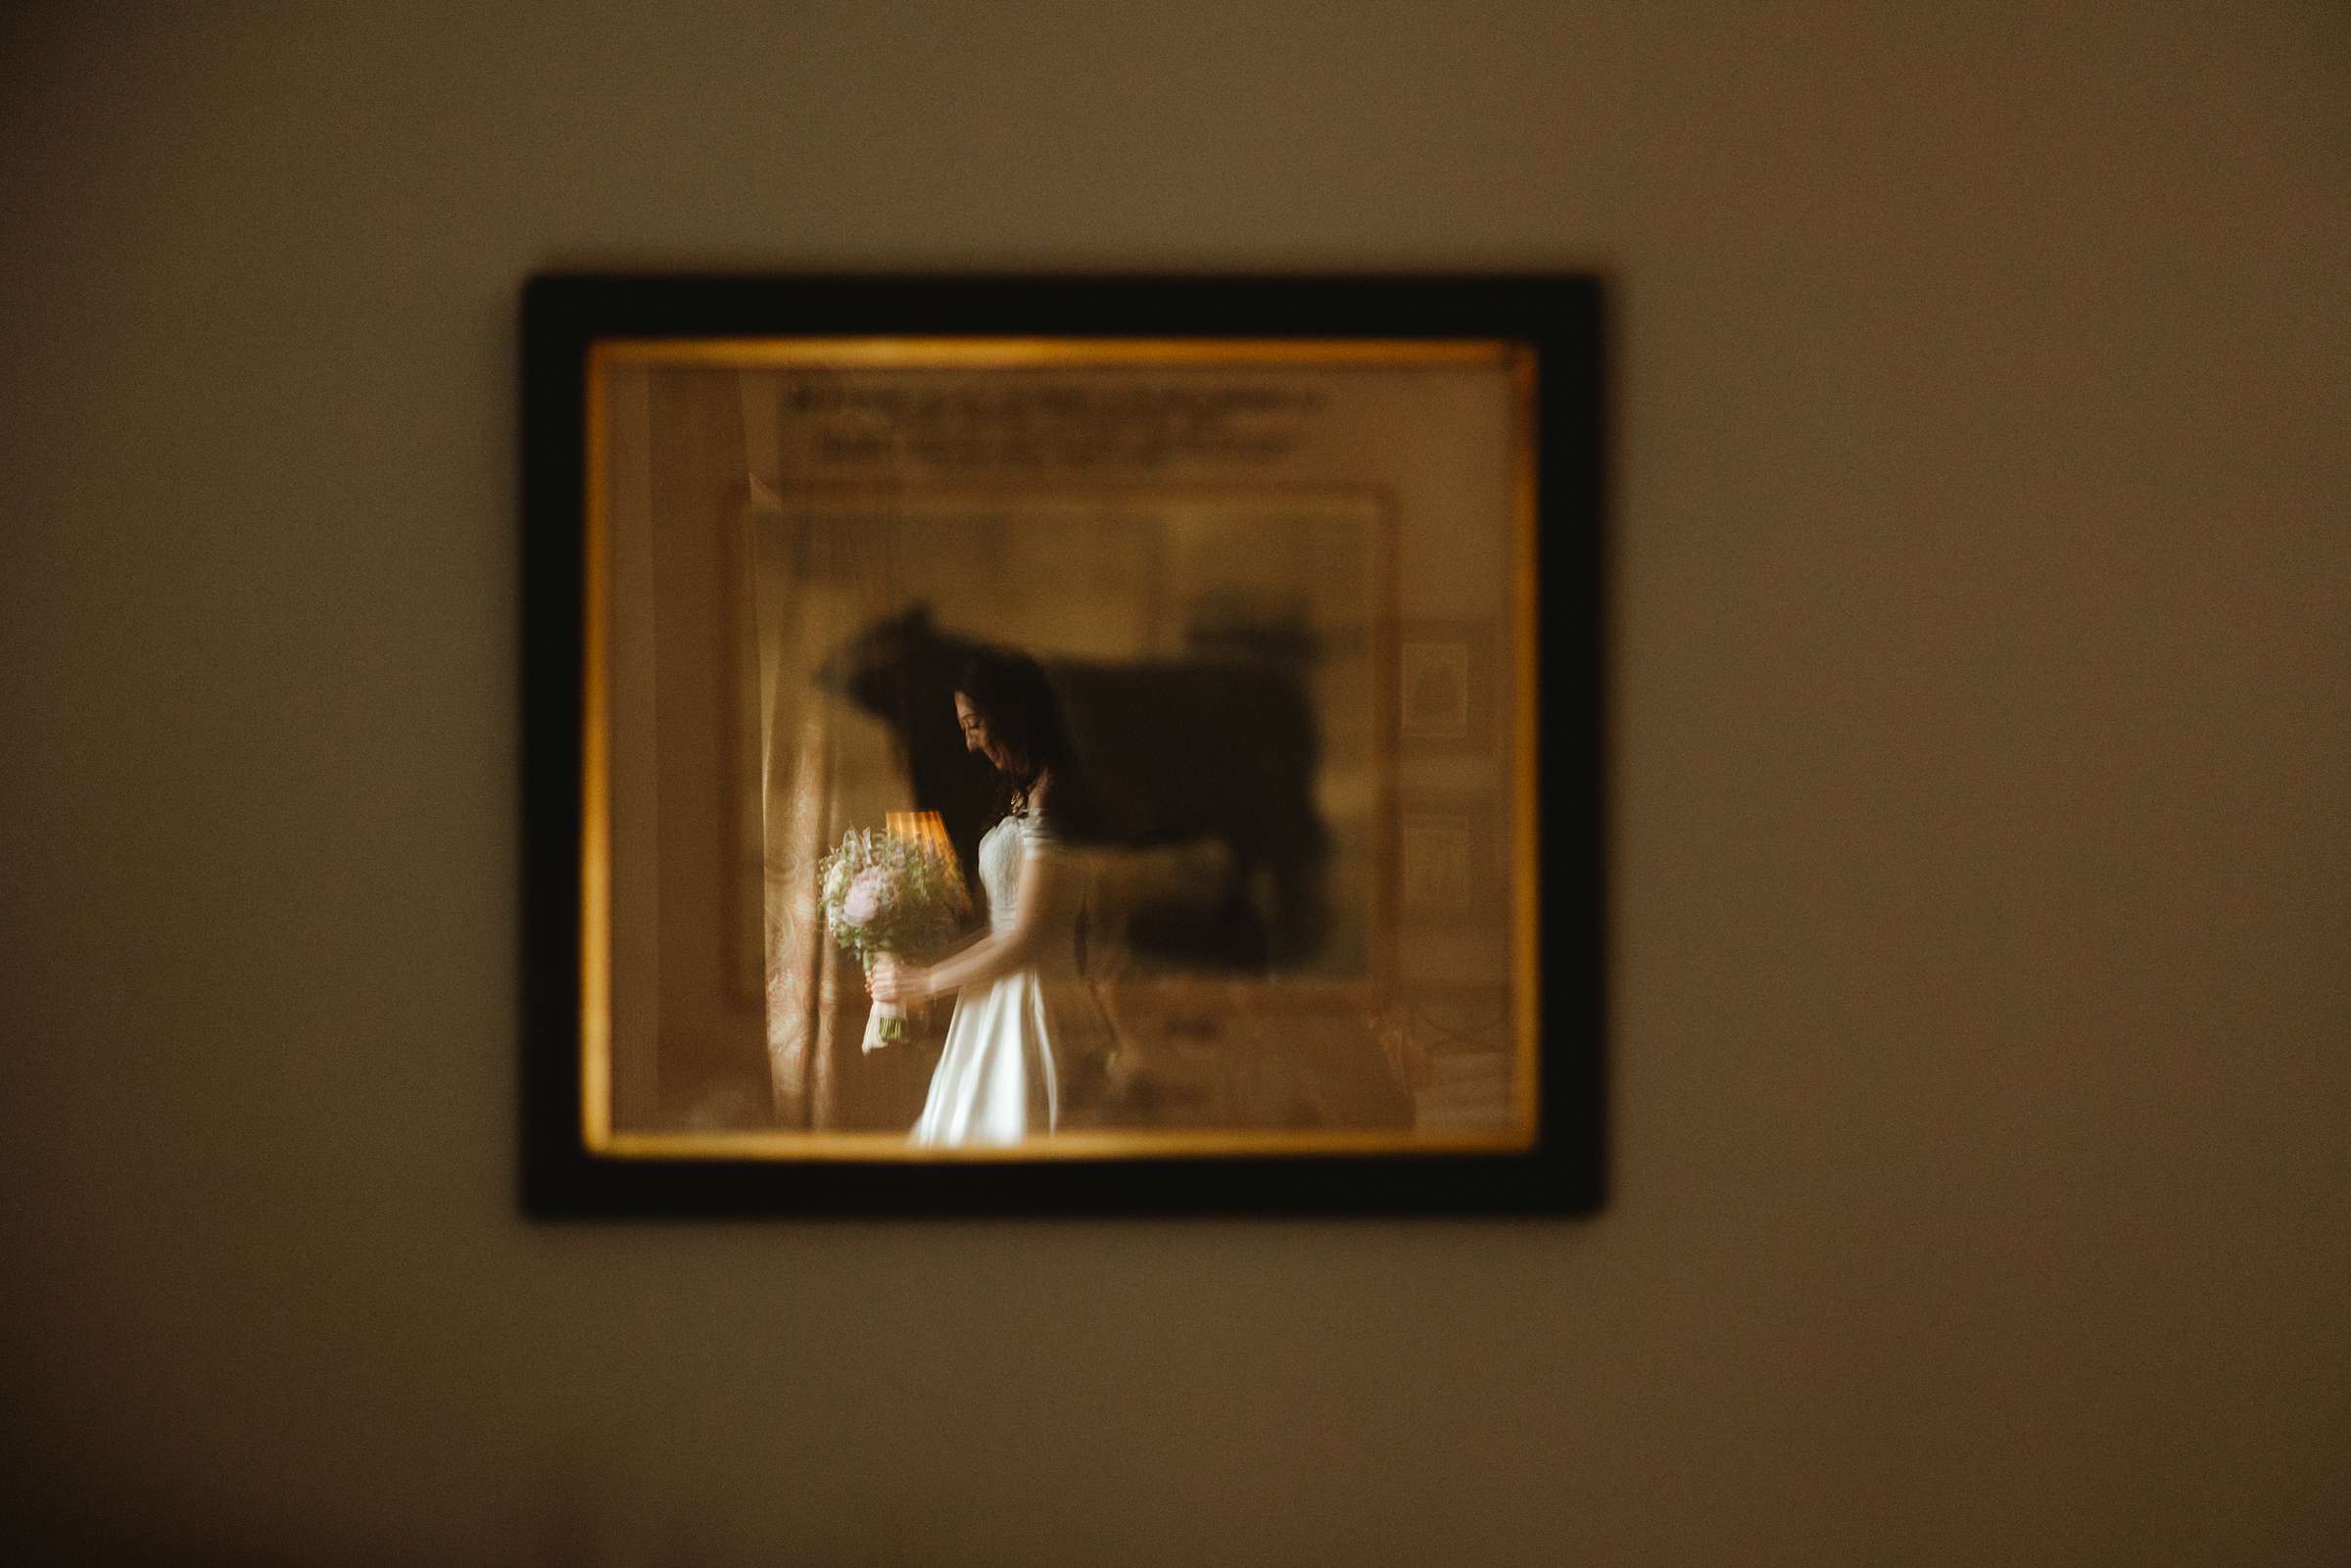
x=821, y=578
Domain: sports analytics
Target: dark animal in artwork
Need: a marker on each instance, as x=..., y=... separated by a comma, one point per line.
x=1217, y=752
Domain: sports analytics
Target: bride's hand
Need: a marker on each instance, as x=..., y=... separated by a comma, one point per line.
x=890, y=980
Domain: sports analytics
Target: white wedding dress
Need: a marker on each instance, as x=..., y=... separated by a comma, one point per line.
x=997, y=1080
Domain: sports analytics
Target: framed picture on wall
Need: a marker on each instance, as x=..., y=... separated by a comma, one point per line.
x=1037, y=745
x=1448, y=686
x=1451, y=859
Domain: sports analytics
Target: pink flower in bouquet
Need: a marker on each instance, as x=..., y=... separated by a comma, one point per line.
x=872, y=892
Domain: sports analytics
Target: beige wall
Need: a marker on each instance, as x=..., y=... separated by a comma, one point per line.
x=1982, y=895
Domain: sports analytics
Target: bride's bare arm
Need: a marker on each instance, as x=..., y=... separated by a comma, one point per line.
x=1045, y=884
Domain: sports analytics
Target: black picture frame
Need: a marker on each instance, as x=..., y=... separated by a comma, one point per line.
x=1559, y=317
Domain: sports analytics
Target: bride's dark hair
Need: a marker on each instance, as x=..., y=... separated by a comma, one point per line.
x=1012, y=693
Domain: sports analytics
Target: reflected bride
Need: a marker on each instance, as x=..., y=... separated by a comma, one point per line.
x=1018, y=1003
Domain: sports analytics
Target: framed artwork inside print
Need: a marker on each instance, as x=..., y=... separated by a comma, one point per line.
x=1063, y=745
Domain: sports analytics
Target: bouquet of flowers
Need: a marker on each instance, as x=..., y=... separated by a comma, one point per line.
x=891, y=892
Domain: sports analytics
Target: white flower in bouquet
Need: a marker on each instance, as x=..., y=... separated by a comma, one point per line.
x=872, y=892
